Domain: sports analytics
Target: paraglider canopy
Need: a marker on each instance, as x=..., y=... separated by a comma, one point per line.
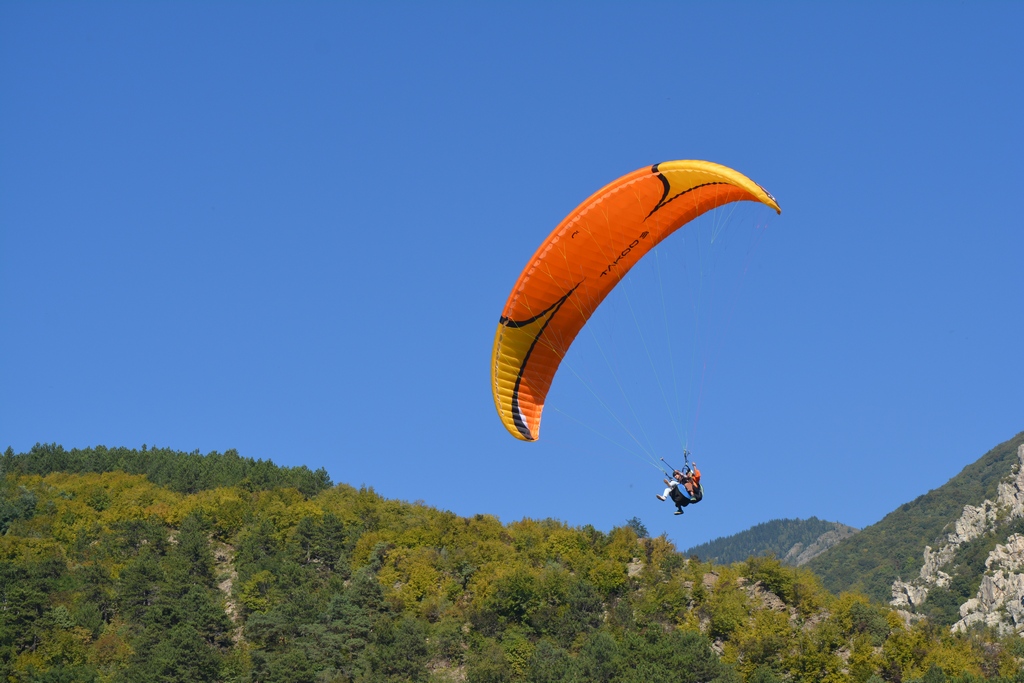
x=582, y=260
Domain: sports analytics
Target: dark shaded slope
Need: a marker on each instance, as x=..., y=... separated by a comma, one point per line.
x=893, y=548
x=776, y=537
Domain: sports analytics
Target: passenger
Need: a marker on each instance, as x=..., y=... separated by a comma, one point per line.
x=672, y=491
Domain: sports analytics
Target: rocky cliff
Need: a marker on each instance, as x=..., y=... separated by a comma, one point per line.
x=891, y=549
x=999, y=599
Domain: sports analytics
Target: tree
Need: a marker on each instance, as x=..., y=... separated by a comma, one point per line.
x=638, y=527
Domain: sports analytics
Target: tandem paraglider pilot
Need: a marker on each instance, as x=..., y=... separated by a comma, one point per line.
x=689, y=481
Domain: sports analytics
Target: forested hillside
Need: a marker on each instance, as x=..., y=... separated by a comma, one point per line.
x=787, y=539
x=893, y=548
x=106, y=575
x=176, y=470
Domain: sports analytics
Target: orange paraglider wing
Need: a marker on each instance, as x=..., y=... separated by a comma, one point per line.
x=582, y=260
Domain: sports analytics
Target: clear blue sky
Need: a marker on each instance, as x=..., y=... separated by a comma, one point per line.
x=289, y=229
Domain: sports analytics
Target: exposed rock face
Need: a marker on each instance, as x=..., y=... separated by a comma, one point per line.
x=1000, y=599
x=224, y=556
x=768, y=599
x=635, y=567
x=907, y=595
x=1000, y=603
x=799, y=555
x=1009, y=557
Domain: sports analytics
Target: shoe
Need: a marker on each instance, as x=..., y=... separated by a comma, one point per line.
x=678, y=512
x=661, y=498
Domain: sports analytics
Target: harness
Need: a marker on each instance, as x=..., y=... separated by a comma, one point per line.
x=678, y=497
x=698, y=495
x=682, y=500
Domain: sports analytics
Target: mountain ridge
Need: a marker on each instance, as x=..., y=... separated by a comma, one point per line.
x=794, y=541
x=882, y=553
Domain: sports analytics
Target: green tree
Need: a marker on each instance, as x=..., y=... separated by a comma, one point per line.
x=179, y=654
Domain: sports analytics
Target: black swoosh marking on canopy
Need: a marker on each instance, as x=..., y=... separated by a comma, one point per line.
x=520, y=425
x=508, y=322
x=667, y=200
x=665, y=185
